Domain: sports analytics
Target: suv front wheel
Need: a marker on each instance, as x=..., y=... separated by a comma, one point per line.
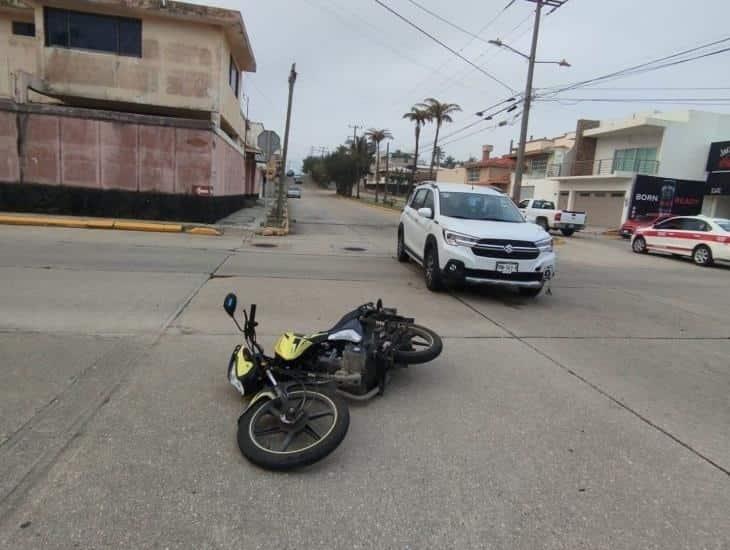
x=431, y=269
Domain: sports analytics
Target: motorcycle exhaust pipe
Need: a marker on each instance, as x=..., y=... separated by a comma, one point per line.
x=364, y=397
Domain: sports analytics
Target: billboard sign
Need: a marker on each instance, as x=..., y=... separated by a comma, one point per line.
x=652, y=196
x=719, y=158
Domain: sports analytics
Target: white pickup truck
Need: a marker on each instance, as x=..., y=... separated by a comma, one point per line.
x=544, y=214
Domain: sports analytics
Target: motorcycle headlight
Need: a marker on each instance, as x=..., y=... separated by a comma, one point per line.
x=545, y=245
x=459, y=239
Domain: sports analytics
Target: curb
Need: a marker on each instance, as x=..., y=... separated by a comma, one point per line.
x=371, y=205
x=105, y=223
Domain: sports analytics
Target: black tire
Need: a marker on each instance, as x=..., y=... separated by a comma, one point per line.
x=702, y=255
x=400, y=251
x=567, y=232
x=431, y=269
x=272, y=459
x=639, y=245
x=542, y=222
x=530, y=292
x=416, y=354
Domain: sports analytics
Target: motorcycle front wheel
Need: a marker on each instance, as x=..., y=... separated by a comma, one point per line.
x=268, y=441
x=419, y=345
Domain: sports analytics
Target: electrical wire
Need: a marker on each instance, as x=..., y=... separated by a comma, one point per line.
x=447, y=61
x=474, y=36
x=443, y=45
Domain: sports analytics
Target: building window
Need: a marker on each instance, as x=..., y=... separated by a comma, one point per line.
x=234, y=77
x=88, y=31
x=538, y=166
x=636, y=160
x=23, y=28
x=473, y=174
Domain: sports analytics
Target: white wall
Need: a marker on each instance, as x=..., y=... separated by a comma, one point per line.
x=685, y=146
x=607, y=146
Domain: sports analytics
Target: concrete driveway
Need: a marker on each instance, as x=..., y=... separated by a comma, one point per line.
x=593, y=418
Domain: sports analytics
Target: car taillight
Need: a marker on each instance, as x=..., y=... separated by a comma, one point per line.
x=558, y=216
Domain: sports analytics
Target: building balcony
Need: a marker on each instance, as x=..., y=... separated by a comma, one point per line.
x=603, y=167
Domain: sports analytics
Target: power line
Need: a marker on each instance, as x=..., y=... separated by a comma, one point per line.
x=645, y=67
x=443, y=45
x=475, y=36
x=479, y=32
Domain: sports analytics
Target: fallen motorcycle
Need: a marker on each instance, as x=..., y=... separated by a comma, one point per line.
x=297, y=414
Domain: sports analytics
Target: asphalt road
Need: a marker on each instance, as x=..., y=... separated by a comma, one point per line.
x=593, y=418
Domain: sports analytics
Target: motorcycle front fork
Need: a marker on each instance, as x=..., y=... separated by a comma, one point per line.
x=289, y=413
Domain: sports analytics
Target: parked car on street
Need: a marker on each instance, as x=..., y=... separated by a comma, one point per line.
x=294, y=193
x=298, y=179
x=630, y=226
x=703, y=239
x=290, y=173
x=460, y=233
x=544, y=214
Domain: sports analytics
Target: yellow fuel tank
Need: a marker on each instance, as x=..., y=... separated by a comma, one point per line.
x=289, y=346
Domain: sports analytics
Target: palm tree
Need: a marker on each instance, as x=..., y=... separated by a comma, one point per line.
x=420, y=117
x=440, y=113
x=376, y=136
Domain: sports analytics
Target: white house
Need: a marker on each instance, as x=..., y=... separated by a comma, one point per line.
x=599, y=172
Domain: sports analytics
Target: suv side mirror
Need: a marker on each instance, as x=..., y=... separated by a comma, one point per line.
x=425, y=213
x=229, y=304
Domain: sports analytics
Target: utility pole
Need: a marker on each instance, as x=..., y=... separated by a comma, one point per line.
x=532, y=59
x=520, y=168
x=280, y=197
x=354, y=149
x=387, y=171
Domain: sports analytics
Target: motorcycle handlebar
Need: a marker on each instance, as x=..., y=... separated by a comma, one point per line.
x=252, y=317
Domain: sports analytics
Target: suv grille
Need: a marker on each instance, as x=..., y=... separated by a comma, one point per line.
x=498, y=248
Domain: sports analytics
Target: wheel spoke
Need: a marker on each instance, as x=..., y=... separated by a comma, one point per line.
x=322, y=414
x=268, y=431
x=287, y=441
x=310, y=431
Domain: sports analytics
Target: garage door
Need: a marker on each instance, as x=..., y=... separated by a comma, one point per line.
x=604, y=208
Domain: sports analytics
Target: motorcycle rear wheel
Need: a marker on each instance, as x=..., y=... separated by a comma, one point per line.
x=422, y=345
x=269, y=442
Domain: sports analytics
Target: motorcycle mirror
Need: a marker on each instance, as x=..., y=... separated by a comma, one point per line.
x=229, y=304
x=379, y=304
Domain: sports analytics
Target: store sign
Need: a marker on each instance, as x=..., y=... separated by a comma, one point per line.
x=652, y=196
x=719, y=158
x=718, y=183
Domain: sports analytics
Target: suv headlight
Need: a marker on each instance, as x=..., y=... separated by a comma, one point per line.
x=545, y=245
x=459, y=239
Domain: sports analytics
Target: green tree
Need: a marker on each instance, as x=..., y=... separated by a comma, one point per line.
x=439, y=113
x=419, y=117
x=449, y=162
x=376, y=135
x=363, y=155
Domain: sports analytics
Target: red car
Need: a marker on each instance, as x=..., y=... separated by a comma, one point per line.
x=630, y=227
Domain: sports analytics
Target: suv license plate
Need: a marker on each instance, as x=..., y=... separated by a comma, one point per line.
x=507, y=268
x=570, y=226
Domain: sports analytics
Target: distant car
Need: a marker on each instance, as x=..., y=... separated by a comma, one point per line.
x=544, y=214
x=290, y=173
x=703, y=239
x=630, y=226
x=299, y=179
x=294, y=193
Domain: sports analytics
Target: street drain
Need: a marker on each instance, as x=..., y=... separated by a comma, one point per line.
x=354, y=249
x=265, y=245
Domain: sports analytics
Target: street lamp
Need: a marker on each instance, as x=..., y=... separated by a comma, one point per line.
x=532, y=60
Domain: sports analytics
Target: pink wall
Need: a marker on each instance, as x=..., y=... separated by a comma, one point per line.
x=101, y=154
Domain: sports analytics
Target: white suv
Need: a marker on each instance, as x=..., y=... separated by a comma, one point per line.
x=461, y=233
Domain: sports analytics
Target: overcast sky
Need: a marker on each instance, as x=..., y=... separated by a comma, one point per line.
x=359, y=64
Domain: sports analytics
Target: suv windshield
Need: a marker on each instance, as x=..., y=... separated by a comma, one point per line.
x=478, y=206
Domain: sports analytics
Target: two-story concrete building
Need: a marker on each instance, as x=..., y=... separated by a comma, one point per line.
x=494, y=172
x=141, y=98
x=607, y=155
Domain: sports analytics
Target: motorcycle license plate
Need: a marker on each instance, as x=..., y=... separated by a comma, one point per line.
x=507, y=268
